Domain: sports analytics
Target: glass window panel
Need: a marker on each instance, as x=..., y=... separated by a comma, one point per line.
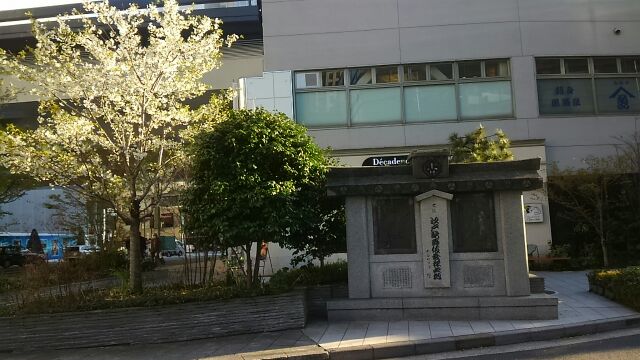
x=548, y=66
x=307, y=80
x=605, y=65
x=617, y=95
x=387, y=74
x=442, y=71
x=333, y=78
x=473, y=223
x=630, y=65
x=394, y=226
x=496, y=68
x=361, y=76
x=428, y=103
x=565, y=96
x=469, y=69
x=576, y=66
x=485, y=99
x=370, y=106
x=415, y=72
x=325, y=108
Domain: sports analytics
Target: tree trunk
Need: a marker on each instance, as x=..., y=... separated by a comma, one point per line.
x=605, y=255
x=256, y=267
x=601, y=231
x=249, y=274
x=135, y=266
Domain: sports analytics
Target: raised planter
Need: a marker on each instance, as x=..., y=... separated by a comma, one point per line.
x=154, y=325
x=317, y=297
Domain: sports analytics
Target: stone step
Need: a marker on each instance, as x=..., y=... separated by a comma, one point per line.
x=536, y=283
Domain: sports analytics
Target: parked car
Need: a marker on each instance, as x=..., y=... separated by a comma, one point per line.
x=10, y=255
x=72, y=253
x=89, y=249
x=178, y=250
x=33, y=258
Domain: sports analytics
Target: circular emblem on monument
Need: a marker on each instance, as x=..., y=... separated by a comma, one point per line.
x=432, y=167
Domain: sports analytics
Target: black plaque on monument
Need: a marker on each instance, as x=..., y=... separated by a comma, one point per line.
x=430, y=164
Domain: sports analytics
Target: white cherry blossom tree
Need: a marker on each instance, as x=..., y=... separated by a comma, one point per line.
x=112, y=103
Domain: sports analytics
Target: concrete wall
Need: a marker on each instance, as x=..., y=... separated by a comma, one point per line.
x=307, y=34
x=272, y=90
x=154, y=325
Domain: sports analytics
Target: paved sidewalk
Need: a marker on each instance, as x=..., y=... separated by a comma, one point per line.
x=580, y=313
x=282, y=344
x=576, y=305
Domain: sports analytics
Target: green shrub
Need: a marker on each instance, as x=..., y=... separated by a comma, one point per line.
x=621, y=285
x=332, y=273
x=8, y=284
x=122, y=297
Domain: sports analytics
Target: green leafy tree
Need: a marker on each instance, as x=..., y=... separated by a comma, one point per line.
x=255, y=176
x=11, y=186
x=584, y=194
x=321, y=232
x=602, y=201
x=113, y=95
x=477, y=146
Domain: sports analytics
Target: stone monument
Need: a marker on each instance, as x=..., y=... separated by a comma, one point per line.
x=438, y=241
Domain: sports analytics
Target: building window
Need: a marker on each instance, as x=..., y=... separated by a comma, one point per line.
x=394, y=225
x=323, y=108
x=473, y=223
x=387, y=74
x=413, y=93
x=430, y=103
x=588, y=86
x=485, y=99
x=371, y=106
x=361, y=76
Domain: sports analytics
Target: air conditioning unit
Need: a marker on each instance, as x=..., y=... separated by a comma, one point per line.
x=309, y=80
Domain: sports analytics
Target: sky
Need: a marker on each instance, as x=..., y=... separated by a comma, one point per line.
x=30, y=4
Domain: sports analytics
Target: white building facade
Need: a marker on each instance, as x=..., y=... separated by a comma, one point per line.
x=379, y=78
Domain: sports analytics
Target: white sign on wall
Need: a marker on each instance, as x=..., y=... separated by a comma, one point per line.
x=533, y=213
x=434, y=225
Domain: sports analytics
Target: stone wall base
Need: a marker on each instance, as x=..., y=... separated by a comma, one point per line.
x=533, y=307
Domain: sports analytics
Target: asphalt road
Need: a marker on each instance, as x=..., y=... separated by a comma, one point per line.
x=617, y=345
x=627, y=347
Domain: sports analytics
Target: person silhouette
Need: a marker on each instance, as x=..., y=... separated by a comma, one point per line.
x=34, y=244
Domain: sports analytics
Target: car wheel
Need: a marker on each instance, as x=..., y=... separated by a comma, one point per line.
x=179, y=253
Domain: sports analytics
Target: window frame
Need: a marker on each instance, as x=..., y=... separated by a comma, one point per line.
x=402, y=84
x=593, y=77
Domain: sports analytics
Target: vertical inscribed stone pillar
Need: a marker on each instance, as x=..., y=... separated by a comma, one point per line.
x=435, y=235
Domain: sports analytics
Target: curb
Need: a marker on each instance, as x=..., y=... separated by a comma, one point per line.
x=452, y=343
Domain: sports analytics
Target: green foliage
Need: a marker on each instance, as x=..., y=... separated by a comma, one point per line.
x=621, y=285
x=594, y=209
x=255, y=177
x=476, y=146
x=333, y=273
x=123, y=298
x=319, y=233
x=113, y=91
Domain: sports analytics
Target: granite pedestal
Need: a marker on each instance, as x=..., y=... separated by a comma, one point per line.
x=438, y=241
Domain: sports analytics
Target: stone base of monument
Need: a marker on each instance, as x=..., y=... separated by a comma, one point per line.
x=532, y=307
